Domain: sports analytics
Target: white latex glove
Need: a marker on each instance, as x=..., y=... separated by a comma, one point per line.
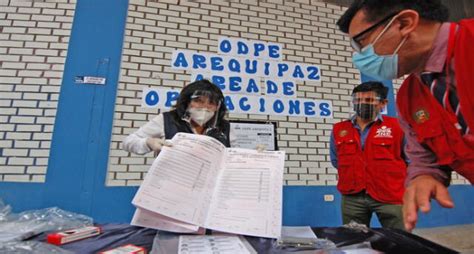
x=156, y=144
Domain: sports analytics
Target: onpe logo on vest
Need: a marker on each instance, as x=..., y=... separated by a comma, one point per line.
x=343, y=133
x=384, y=132
x=421, y=116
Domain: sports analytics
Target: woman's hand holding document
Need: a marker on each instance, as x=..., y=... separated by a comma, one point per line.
x=200, y=183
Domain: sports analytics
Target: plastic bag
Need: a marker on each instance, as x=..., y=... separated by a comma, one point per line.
x=17, y=227
x=356, y=226
x=301, y=238
x=5, y=210
x=31, y=247
x=318, y=244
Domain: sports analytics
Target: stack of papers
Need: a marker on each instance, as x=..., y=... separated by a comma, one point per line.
x=198, y=183
x=214, y=244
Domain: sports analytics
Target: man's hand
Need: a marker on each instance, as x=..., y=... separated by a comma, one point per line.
x=418, y=196
x=156, y=144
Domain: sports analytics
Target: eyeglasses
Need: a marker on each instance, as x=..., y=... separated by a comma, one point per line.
x=368, y=100
x=355, y=41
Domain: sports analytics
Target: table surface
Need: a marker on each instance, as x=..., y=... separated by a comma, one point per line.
x=385, y=240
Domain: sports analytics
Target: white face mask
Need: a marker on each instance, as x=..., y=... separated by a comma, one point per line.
x=200, y=115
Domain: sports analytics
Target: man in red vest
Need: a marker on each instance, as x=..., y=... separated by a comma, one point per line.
x=400, y=37
x=367, y=151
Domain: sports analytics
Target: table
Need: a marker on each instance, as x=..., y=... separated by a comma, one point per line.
x=382, y=239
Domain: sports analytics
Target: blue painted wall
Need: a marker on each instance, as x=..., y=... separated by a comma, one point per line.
x=305, y=205
x=77, y=164
x=78, y=161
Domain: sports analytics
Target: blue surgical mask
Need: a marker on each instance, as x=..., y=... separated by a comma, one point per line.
x=383, y=67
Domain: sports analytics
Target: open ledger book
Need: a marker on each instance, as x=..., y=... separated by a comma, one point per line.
x=199, y=183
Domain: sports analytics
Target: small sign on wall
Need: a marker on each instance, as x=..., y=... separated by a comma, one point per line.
x=251, y=135
x=90, y=80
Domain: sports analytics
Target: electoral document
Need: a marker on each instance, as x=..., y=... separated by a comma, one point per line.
x=199, y=183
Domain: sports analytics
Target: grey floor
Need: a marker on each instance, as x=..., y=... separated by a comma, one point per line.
x=459, y=238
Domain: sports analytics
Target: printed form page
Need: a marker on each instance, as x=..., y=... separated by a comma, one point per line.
x=145, y=218
x=180, y=182
x=248, y=196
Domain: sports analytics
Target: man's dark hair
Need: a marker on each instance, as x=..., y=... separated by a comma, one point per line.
x=370, y=86
x=215, y=96
x=378, y=9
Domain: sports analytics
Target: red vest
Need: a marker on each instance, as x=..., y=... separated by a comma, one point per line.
x=434, y=126
x=379, y=168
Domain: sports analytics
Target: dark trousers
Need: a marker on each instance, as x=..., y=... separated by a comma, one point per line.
x=359, y=208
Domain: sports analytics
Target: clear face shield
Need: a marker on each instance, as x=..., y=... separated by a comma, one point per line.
x=205, y=96
x=366, y=105
x=203, y=107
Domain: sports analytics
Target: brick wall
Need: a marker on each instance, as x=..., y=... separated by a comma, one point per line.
x=33, y=42
x=307, y=31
